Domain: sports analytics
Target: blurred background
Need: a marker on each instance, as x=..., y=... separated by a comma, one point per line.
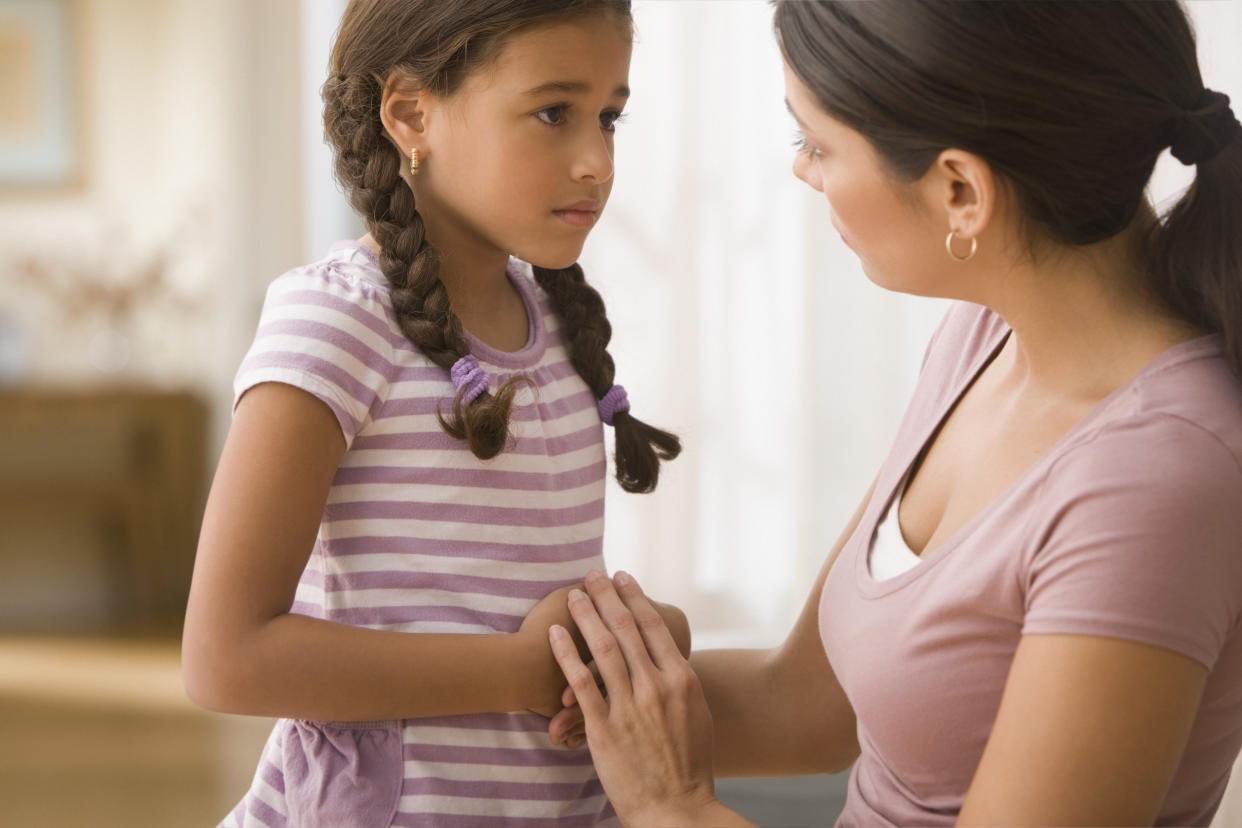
x=162, y=160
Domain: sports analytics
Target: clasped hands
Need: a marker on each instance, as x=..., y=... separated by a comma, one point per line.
x=639, y=705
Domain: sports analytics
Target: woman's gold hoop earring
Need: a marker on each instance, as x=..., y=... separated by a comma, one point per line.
x=414, y=162
x=948, y=245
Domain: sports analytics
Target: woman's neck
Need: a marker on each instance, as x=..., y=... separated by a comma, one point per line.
x=1083, y=323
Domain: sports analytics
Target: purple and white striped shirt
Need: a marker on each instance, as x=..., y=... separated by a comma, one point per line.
x=421, y=536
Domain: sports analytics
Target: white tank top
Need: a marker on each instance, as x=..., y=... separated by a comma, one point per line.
x=890, y=554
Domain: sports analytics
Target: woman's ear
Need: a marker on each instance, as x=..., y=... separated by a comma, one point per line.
x=403, y=111
x=966, y=189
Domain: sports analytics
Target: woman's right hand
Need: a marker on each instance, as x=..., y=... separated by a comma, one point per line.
x=651, y=738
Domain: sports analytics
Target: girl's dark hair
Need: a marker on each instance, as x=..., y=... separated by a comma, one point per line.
x=1070, y=102
x=438, y=44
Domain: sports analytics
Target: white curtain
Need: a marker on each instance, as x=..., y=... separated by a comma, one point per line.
x=741, y=322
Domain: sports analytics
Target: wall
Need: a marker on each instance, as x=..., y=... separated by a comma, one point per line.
x=189, y=139
x=190, y=145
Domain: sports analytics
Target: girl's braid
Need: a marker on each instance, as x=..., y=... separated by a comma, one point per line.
x=586, y=331
x=369, y=165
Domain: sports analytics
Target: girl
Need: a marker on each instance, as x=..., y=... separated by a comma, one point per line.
x=1035, y=616
x=415, y=470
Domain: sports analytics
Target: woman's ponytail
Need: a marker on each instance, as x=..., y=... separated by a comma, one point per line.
x=1195, y=251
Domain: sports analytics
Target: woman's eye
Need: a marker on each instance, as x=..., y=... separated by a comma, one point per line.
x=608, y=121
x=553, y=115
x=803, y=146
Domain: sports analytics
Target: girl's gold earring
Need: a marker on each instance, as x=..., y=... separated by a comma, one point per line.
x=414, y=162
x=948, y=245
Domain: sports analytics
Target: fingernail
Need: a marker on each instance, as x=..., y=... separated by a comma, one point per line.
x=622, y=578
x=556, y=633
x=593, y=576
x=576, y=595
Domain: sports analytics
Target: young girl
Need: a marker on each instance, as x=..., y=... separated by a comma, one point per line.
x=414, y=475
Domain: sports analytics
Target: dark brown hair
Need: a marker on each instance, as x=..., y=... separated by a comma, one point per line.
x=439, y=44
x=1070, y=102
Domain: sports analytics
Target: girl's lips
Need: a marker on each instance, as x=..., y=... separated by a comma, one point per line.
x=578, y=218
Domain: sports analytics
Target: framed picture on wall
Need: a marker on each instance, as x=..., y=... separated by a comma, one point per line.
x=38, y=95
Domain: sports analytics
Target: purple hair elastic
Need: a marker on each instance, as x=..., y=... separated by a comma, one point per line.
x=467, y=374
x=612, y=403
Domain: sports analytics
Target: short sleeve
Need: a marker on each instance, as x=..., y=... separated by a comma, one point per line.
x=325, y=331
x=1141, y=538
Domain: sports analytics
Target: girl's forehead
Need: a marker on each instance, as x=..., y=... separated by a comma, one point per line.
x=590, y=48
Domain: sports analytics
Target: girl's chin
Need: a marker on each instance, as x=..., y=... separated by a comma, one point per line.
x=552, y=259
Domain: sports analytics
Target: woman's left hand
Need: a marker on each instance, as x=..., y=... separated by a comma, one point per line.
x=651, y=739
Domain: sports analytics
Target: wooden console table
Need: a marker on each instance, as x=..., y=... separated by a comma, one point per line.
x=132, y=460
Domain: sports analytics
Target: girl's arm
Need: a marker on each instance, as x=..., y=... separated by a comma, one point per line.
x=1090, y=731
x=244, y=652
x=677, y=623
x=781, y=711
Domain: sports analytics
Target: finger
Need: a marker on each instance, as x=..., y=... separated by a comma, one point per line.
x=655, y=633
x=567, y=697
x=564, y=724
x=621, y=623
x=604, y=647
x=590, y=700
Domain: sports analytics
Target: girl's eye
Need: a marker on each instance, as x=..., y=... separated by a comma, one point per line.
x=608, y=121
x=553, y=115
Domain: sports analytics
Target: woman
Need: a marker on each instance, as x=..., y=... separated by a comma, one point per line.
x=1034, y=616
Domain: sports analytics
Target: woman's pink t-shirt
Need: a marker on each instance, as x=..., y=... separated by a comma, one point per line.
x=1130, y=527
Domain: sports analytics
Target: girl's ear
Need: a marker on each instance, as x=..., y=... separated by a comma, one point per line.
x=966, y=189
x=402, y=111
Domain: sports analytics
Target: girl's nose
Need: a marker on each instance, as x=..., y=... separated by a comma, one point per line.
x=594, y=158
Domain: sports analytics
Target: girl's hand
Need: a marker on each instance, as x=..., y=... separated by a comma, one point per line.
x=568, y=726
x=547, y=684
x=651, y=739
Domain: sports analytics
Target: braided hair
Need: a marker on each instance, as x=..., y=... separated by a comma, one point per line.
x=439, y=45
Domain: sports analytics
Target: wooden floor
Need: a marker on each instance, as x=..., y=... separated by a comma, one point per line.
x=100, y=733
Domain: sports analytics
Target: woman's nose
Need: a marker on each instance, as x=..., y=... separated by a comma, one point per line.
x=806, y=169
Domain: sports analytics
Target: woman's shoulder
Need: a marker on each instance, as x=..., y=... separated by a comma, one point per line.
x=1182, y=411
x=1162, y=455
x=1192, y=383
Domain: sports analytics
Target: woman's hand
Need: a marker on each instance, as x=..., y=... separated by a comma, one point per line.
x=651, y=739
x=547, y=684
x=567, y=726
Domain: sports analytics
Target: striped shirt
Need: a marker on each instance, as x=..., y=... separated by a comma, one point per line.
x=420, y=536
